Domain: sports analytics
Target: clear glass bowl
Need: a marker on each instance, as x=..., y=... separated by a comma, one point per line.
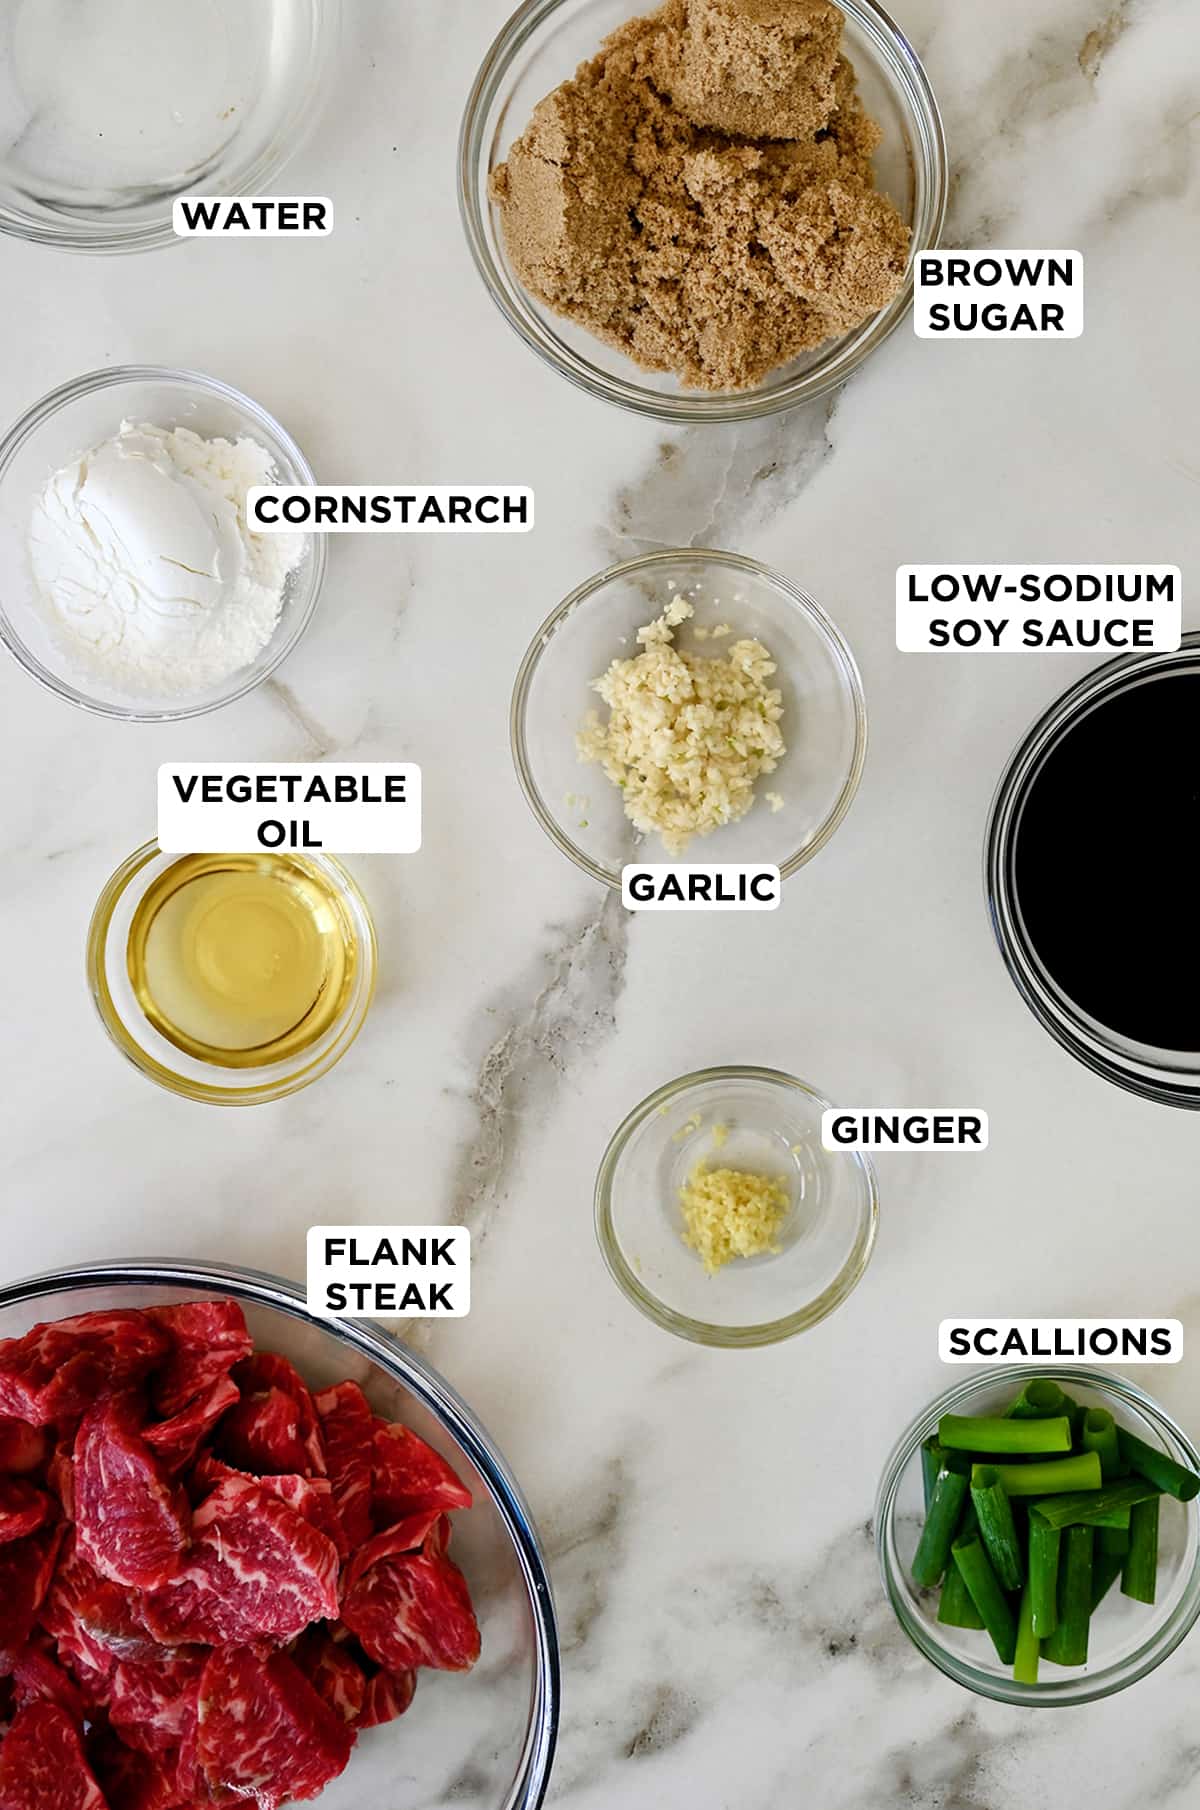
x=772, y=1125
x=1172, y=1077
x=541, y=46
x=496, y=1725
x=173, y=1068
x=110, y=110
x=70, y=421
x=824, y=722
x=1128, y=1639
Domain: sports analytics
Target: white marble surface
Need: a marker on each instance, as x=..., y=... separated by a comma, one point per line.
x=706, y=1513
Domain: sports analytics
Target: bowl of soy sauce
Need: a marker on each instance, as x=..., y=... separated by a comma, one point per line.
x=1091, y=860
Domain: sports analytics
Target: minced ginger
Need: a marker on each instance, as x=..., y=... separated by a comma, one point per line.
x=701, y=194
x=687, y=735
x=730, y=1213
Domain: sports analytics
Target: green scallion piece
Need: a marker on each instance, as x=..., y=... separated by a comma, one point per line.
x=1040, y=1400
x=996, y=1526
x=1106, y=1569
x=955, y=1608
x=1055, y=1476
x=1044, y=1545
x=1025, y=1660
x=941, y=1524
x=1149, y=1462
x=1113, y=1539
x=1139, y=1575
x=976, y=1568
x=1068, y=1645
x=993, y=1434
x=931, y=1463
x=1099, y=1434
x=1094, y=1507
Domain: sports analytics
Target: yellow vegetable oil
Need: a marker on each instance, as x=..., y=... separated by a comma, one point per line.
x=241, y=960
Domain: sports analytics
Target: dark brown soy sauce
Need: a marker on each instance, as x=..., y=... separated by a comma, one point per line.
x=1106, y=863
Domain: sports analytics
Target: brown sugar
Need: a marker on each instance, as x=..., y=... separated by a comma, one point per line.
x=700, y=194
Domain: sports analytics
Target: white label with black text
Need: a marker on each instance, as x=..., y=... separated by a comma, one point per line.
x=252, y=216
x=699, y=886
x=997, y=1341
x=998, y=295
x=919, y=1128
x=337, y=807
x=360, y=1272
x=1038, y=609
x=390, y=508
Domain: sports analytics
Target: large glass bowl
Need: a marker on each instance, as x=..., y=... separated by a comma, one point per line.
x=494, y=1727
x=1128, y=1639
x=70, y=421
x=824, y=722
x=770, y=1124
x=541, y=46
x=112, y=108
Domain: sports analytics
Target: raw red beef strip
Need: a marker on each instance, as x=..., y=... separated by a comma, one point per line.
x=176, y=1441
x=56, y=1369
x=267, y=1370
x=39, y=1678
x=414, y=1611
x=26, y=1568
x=205, y=1340
x=262, y=1435
x=263, y=1730
x=132, y=1525
x=152, y=1702
x=60, y=1479
x=349, y=1429
x=42, y=1764
x=408, y=1535
x=23, y=1509
x=94, y=1621
x=23, y=1448
x=311, y=1497
x=409, y=1475
x=257, y=1568
x=388, y=1695
x=334, y=1673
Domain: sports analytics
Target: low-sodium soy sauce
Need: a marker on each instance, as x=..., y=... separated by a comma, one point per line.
x=1106, y=859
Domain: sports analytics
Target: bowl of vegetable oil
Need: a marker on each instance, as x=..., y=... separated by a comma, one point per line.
x=231, y=979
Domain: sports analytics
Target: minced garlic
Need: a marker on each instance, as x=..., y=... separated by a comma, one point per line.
x=687, y=735
x=730, y=1213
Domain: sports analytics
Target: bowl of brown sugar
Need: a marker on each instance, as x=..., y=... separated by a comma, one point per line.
x=707, y=212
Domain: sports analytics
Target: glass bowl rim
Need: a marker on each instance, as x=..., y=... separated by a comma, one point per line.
x=1092, y=1687
x=1070, y=1028
x=99, y=237
x=213, y=1094
x=905, y=70
x=91, y=383
x=702, y=1332
x=381, y=1348
x=817, y=619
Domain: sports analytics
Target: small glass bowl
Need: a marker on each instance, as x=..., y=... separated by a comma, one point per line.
x=824, y=722
x=160, y=1059
x=110, y=111
x=1127, y=1639
x=1171, y=1077
x=80, y=415
x=771, y=1125
x=497, y=1724
x=541, y=46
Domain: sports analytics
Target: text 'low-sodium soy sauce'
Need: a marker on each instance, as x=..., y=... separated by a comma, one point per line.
x=1106, y=858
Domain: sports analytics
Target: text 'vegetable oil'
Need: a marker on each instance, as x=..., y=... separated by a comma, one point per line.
x=241, y=960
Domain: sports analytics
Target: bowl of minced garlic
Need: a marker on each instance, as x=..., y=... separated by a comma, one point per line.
x=692, y=705
x=706, y=209
x=722, y=1217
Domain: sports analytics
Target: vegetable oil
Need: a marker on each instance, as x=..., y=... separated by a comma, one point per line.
x=241, y=960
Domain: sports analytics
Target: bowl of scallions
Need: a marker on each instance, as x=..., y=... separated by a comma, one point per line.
x=1038, y=1534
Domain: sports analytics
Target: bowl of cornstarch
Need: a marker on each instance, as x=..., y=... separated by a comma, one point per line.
x=130, y=581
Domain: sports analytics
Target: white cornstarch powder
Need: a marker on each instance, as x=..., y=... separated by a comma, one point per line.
x=145, y=567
